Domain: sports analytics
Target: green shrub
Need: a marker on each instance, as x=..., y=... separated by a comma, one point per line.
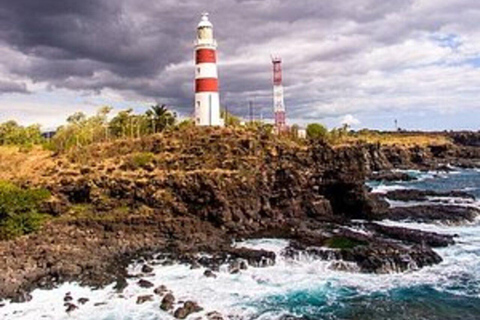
x=139, y=160
x=316, y=131
x=19, y=210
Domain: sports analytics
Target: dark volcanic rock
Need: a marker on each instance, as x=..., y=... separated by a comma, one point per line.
x=205, y=188
x=145, y=298
x=147, y=269
x=413, y=236
x=423, y=195
x=434, y=213
x=255, y=258
x=391, y=176
x=70, y=307
x=371, y=252
x=22, y=297
x=161, y=290
x=188, y=308
x=144, y=283
x=209, y=274
x=214, y=315
x=167, y=302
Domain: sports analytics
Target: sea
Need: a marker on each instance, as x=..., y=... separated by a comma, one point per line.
x=304, y=287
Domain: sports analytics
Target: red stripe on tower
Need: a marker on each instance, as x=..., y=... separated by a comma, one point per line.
x=206, y=85
x=205, y=56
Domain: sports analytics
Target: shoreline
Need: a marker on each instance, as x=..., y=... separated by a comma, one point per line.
x=282, y=190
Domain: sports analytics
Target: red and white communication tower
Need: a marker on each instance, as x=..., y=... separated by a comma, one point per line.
x=207, y=100
x=278, y=100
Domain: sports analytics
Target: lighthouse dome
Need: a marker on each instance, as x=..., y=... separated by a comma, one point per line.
x=205, y=23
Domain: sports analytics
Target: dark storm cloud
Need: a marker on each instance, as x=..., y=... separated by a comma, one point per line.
x=144, y=47
x=9, y=87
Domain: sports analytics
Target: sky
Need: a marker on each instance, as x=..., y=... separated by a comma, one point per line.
x=360, y=62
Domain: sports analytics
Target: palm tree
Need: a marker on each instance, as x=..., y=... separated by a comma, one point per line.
x=160, y=117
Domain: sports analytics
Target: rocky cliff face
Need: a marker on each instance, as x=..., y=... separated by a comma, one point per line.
x=434, y=157
x=183, y=191
x=197, y=190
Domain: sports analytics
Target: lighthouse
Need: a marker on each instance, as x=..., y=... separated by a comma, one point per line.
x=207, y=100
x=278, y=100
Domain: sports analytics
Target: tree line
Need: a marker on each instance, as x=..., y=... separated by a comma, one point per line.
x=81, y=130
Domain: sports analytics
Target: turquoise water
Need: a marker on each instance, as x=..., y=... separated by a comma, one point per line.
x=305, y=287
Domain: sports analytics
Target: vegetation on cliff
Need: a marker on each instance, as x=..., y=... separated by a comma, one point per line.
x=19, y=210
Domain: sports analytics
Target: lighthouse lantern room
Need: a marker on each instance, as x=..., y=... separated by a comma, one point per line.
x=207, y=100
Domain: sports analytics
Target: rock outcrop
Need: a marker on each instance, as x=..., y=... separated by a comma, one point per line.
x=201, y=189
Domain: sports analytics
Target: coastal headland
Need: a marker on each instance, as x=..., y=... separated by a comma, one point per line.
x=198, y=190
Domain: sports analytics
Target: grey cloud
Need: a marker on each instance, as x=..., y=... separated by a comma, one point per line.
x=12, y=87
x=131, y=45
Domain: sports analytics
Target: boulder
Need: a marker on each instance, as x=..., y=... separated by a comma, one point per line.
x=214, y=315
x=145, y=298
x=188, y=308
x=147, y=269
x=161, y=290
x=70, y=307
x=209, y=274
x=142, y=283
x=167, y=302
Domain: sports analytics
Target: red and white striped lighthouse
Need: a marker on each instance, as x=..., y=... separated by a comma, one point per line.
x=278, y=100
x=207, y=100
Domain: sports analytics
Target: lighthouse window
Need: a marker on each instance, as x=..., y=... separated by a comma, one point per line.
x=198, y=70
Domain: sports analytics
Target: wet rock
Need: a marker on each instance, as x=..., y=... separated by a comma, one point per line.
x=389, y=176
x=83, y=300
x=71, y=307
x=167, y=302
x=188, y=308
x=414, y=236
x=98, y=304
x=214, y=315
x=343, y=266
x=120, y=285
x=209, y=274
x=142, y=283
x=22, y=297
x=147, y=269
x=434, y=213
x=255, y=258
x=161, y=290
x=145, y=298
x=370, y=253
x=423, y=195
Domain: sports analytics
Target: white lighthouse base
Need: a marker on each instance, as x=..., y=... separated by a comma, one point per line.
x=207, y=109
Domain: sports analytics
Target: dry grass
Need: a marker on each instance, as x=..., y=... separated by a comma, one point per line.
x=398, y=139
x=23, y=165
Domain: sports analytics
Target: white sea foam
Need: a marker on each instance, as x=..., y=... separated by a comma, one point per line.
x=236, y=294
x=239, y=294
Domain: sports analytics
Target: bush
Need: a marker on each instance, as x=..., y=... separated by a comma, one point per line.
x=19, y=210
x=139, y=160
x=316, y=131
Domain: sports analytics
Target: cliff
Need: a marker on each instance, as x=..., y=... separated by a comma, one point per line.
x=199, y=189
